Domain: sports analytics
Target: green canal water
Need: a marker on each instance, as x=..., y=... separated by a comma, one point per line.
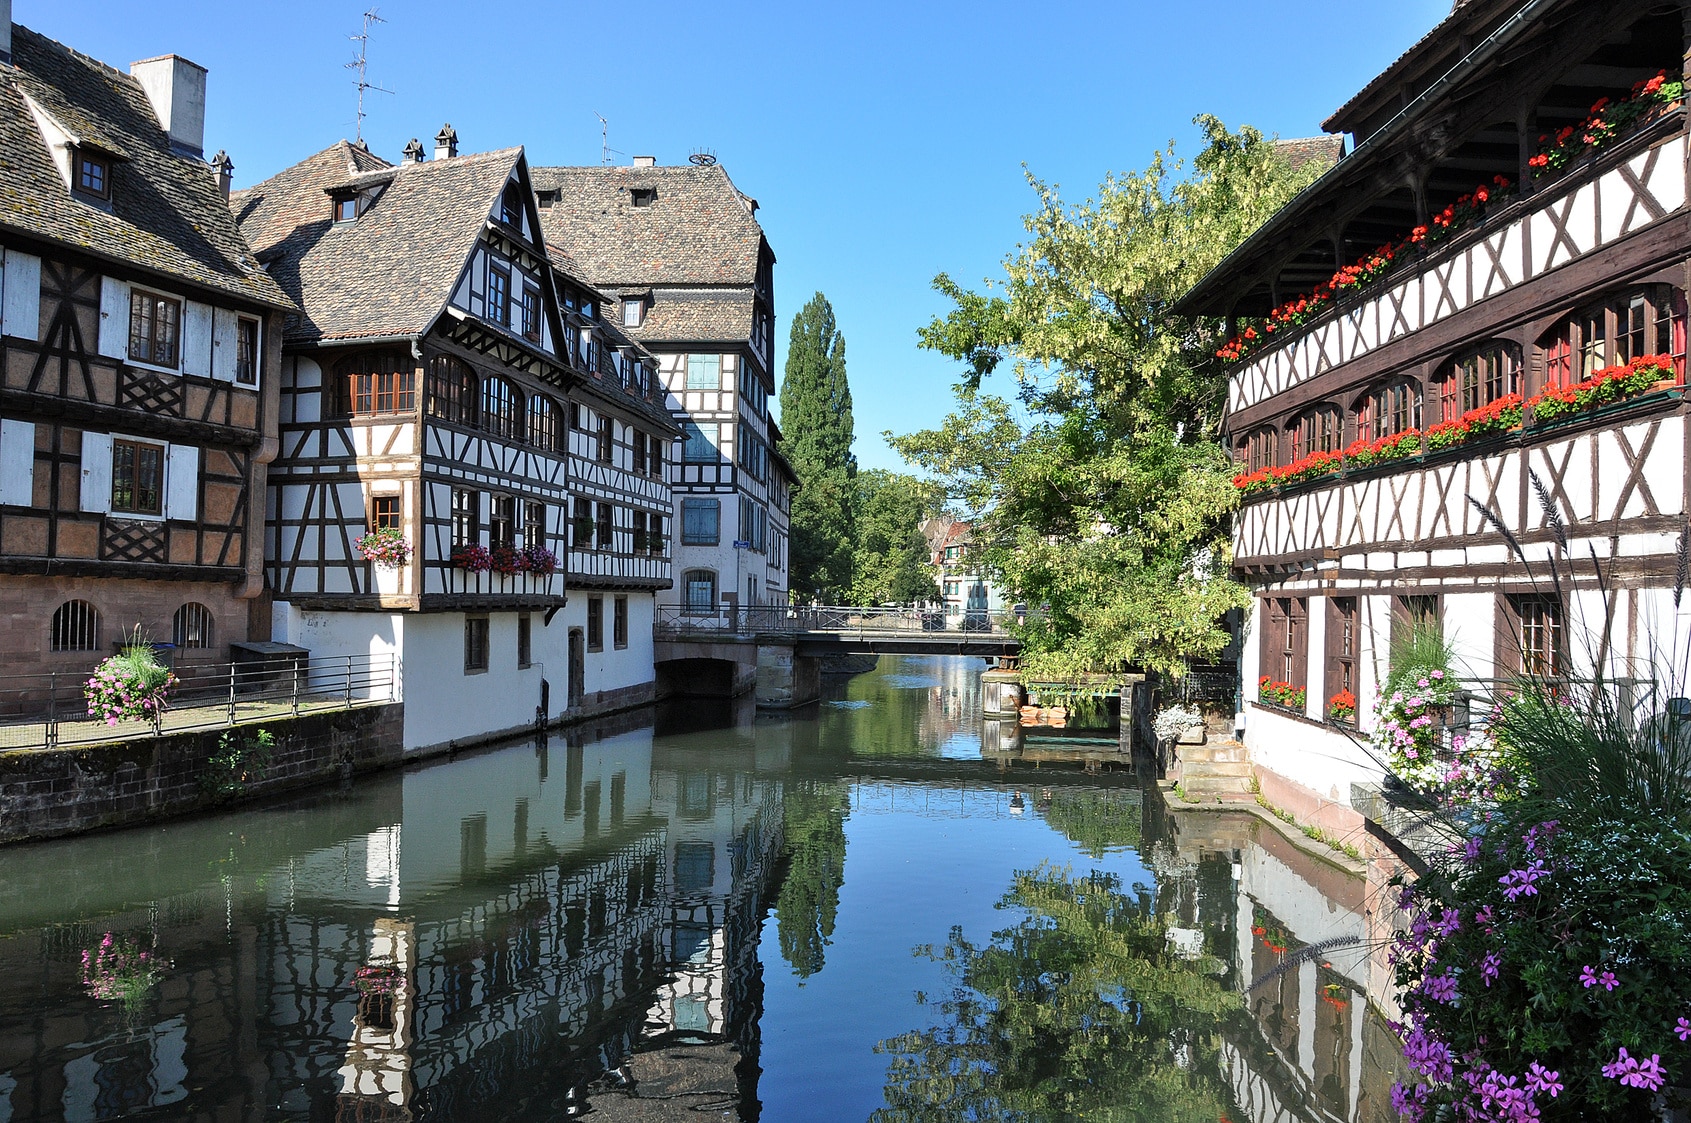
x=855, y=913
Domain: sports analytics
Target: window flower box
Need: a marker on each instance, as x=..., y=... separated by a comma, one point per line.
x=473, y=559
x=385, y=548
x=1282, y=694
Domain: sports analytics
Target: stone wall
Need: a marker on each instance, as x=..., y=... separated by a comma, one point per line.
x=49, y=792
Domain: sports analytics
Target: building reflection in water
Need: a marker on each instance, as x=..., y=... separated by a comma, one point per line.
x=573, y=925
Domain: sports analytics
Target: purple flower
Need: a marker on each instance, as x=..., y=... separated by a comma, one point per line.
x=1439, y=988
x=1541, y=1079
x=1635, y=1073
x=1608, y=981
x=1683, y=1029
x=1489, y=966
x=1587, y=977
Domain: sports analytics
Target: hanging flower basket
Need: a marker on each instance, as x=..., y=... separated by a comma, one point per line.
x=539, y=560
x=506, y=560
x=385, y=548
x=130, y=686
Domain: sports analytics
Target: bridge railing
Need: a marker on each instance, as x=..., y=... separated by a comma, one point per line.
x=764, y=619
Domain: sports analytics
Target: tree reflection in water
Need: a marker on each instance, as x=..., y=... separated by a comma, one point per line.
x=1081, y=1009
x=813, y=814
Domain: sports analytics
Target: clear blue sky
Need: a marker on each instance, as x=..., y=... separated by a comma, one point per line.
x=884, y=141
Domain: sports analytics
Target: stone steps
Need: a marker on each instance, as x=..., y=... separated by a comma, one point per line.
x=1216, y=769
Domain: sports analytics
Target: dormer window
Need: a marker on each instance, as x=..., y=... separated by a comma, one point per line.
x=633, y=311
x=511, y=206
x=91, y=173
x=643, y=196
x=346, y=208
x=548, y=199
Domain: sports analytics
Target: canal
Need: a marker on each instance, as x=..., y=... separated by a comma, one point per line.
x=853, y=914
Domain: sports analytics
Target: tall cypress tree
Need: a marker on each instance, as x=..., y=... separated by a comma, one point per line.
x=816, y=430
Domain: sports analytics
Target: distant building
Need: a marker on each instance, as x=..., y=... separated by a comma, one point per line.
x=968, y=598
x=138, y=369
x=441, y=380
x=681, y=252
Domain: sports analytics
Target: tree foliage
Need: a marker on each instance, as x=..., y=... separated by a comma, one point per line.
x=1078, y=1011
x=890, y=561
x=1098, y=484
x=816, y=429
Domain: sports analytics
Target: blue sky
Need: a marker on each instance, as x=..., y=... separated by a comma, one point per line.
x=884, y=141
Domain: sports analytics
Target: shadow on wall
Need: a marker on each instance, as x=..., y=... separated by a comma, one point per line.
x=695, y=678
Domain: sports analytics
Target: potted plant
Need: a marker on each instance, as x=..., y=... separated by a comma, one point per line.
x=475, y=559
x=539, y=560
x=385, y=547
x=1342, y=707
x=133, y=685
x=505, y=560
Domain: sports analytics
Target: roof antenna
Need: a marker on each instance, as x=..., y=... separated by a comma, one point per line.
x=357, y=64
x=604, y=139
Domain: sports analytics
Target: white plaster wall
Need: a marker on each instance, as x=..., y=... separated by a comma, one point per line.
x=1323, y=760
x=612, y=668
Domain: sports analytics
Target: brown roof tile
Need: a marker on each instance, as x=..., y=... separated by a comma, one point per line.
x=392, y=271
x=167, y=215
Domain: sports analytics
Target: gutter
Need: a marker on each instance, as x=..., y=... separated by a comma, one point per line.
x=1506, y=33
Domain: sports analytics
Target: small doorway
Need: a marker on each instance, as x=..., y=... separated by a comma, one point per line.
x=578, y=666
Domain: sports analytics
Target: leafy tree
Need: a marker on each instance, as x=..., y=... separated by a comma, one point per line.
x=1099, y=487
x=816, y=429
x=1079, y=1011
x=814, y=815
x=889, y=556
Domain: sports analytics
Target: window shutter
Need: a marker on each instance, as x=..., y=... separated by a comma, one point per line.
x=196, y=339
x=114, y=319
x=17, y=463
x=224, y=347
x=22, y=296
x=97, y=469
x=182, y=483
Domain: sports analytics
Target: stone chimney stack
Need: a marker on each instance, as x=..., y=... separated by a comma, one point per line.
x=5, y=30
x=446, y=142
x=225, y=169
x=645, y=161
x=177, y=89
x=414, y=151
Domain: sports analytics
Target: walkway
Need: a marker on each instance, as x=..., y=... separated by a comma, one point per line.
x=842, y=630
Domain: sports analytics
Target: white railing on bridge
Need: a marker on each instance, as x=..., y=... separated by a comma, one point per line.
x=841, y=620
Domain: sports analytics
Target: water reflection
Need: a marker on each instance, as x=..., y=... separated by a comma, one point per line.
x=715, y=914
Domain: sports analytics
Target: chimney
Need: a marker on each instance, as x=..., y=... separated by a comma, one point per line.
x=225, y=169
x=446, y=143
x=177, y=89
x=5, y=30
x=645, y=161
x=414, y=151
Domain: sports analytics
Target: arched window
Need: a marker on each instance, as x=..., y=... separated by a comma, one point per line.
x=542, y=423
x=76, y=627
x=1260, y=449
x=1478, y=379
x=450, y=390
x=501, y=408
x=1390, y=409
x=1321, y=429
x=191, y=626
x=699, y=587
x=1644, y=321
x=373, y=383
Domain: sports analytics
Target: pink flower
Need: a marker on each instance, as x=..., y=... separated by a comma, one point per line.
x=1587, y=977
x=1683, y=1029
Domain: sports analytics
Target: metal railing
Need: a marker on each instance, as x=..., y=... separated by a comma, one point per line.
x=50, y=710
x=846, y=620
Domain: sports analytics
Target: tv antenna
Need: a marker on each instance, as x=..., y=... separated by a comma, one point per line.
x=358, y=64
x=604, y=139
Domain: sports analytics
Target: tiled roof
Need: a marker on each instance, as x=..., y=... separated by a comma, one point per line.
x=679, y=316
x=167, y=215
x=390, y=272
x=615, y=391
x=1323, y=151
x=699, y=230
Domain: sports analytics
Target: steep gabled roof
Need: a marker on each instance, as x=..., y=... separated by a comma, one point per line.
x=698, y=230
x=688, y=317
x=166, y=215
x=390, y=272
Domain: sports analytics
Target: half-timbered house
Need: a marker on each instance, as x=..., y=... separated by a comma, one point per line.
x=1524, y=168
x=138, y=367
x=424, y=394
x=680, y=251
x=621, y=444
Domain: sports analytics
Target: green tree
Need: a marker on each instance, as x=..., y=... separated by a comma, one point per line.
x=813, y=816
x=1099, y=487
x=816, y=430
x=1079, y=1011
x=889, y=556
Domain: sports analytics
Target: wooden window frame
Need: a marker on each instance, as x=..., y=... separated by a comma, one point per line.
x=1318, y=429
x=1285, y=640
x=581, y=526
x=697, y=429
x=452, y=391
x=638, y=521
x=344, y=208
x=133, y=450
x=531, y=313
x=376, y=384
x=1478, y=378
x=1605, y=334
x=525, y=641
x=511, y=205
x=1533, y=636
x=715, y=378
x=79, y=157
x=543, y=423
x=466, y=517
x=699, y=504
x=502, y=408
x=534, y=523
x=476, y=637
x=247, y=351
x=605, y=447
x=1390, y=408
x=619, y=623
x=385, y=513
x=1343, y=643
x=149, y=335
x=502, y=521
x=499, y=295
x=604, y=527
x=595, y=623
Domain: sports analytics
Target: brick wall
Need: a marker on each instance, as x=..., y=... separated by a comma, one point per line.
x=50, y=792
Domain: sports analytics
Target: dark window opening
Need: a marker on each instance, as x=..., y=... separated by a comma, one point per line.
x=595, y=623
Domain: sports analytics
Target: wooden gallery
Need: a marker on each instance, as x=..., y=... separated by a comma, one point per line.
x=1465, y=342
